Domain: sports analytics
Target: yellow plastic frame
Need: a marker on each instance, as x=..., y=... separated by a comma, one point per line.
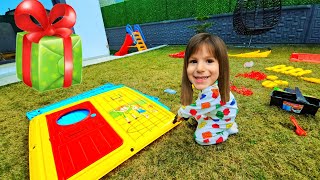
x=41, y=160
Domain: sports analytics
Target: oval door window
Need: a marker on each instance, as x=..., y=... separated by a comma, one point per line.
x=73, y=117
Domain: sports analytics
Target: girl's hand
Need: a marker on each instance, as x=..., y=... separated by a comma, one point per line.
x=177, y=119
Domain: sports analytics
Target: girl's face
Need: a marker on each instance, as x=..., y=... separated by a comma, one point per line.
x=203, y=68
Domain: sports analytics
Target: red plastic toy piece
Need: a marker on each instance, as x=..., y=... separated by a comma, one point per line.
x=177, y=55
x=78, y=145
x=254, y=75
x=299, y=130
x=304, y=57
x=242, y=90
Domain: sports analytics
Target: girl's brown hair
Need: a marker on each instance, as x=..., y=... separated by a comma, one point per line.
x=219, y=51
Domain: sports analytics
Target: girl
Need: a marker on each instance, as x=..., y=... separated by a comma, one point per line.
x=206, y=67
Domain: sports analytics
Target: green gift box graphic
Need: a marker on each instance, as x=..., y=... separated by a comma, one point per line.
x=48, y=55
x=47, y=61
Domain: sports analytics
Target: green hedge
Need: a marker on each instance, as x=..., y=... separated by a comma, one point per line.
x=299, y=2
x=134, y=12
x=180, y=9
x=145, y=11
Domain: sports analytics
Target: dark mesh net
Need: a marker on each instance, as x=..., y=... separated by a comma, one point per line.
x=253, y=17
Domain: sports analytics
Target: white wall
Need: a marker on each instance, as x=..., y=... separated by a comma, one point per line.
x=89, y=26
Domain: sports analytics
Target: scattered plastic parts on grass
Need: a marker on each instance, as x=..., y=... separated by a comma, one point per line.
x=273, y=81
x=253, y=75
x=248, y=54
x=242, y=90
x=170, y=91
x=269, y=84
x=277, y=89
x=271, y=77
x=313, y=80
x=177, y=55
x=299, y=131
x=248, y=64
x=254, y=54
x=305, y=57
x=281, y=82
x=289, y=70
x=272, y=84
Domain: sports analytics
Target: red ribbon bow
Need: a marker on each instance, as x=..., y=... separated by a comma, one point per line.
x=47, y=27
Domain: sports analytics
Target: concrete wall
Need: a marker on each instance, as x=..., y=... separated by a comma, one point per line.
x=298, y=25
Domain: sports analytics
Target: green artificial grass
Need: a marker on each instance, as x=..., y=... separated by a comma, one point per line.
x=266, y=146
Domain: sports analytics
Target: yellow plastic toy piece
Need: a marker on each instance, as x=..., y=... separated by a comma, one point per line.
x=281, y=82
x=272, y=84
x=313, y=80
x=275, y=67
x=254, y=54
x=289, y=70
x=270, y=77
x=300, y=73
x=264, y=54
x=278, y=70
x=269, y=84
x=244, y=54
x=279, y=66
x=136, y=128
x=285, y=69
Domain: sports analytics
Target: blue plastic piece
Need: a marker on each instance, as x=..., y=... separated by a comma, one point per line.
x=300, y=97
x=88, y=94
x=130, y=31
x=93, y=92
x=170, y=91
x=73, y=117
x=136, y=27
x=289, y=90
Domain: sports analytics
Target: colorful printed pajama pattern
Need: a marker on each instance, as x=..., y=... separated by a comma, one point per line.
x=216, y=119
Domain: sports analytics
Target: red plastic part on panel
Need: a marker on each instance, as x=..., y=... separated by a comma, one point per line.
x=78, y=145
x=305, y=57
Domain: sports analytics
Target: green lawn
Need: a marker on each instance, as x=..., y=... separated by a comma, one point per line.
x=265, y=148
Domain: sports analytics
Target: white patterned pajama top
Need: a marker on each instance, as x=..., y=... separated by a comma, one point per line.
x=216, y=119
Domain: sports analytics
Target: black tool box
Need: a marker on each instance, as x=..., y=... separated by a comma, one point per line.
x=291, y=101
